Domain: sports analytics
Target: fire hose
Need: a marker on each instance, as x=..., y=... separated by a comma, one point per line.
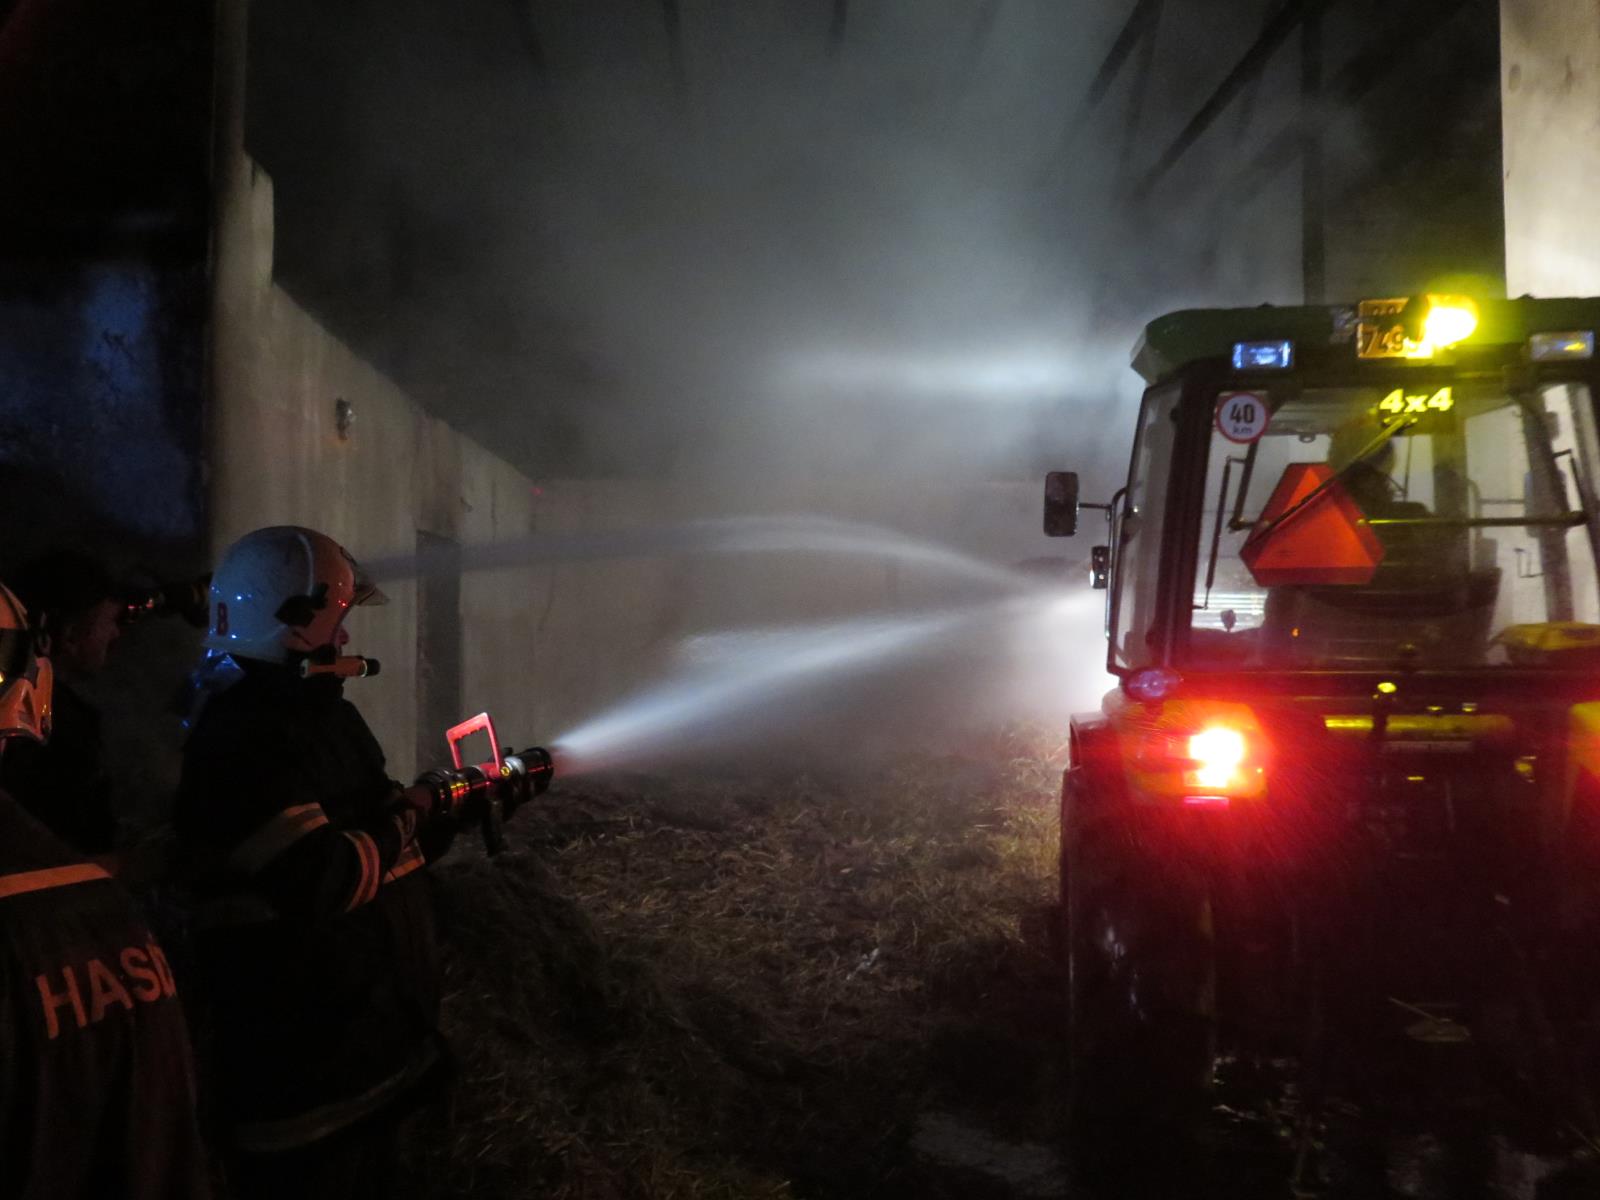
x=487, y=792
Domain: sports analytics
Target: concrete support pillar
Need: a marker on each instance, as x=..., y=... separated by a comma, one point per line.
x=241, y=282
x=1550, y=87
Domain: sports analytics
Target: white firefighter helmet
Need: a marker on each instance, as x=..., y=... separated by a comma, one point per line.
x=26, y=681
x=283, y=591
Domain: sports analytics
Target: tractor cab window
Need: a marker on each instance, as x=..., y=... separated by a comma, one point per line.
x=1138, y=531
x=1445, y=524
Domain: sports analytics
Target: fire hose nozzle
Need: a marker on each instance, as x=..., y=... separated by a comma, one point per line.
x=536, y=764
x=487, y=792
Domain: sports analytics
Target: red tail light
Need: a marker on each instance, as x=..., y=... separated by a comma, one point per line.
x=1202, y=754
x=1219, y=755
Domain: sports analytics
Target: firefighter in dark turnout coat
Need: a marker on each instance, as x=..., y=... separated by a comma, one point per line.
x=314, y=928
x=64, y=783
x=96, y=1083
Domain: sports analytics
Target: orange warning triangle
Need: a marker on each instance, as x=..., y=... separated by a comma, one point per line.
x=1326, y=542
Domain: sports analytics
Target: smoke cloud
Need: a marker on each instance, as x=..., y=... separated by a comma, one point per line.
x=819, y=242
x=772, y=251
x=682, y=238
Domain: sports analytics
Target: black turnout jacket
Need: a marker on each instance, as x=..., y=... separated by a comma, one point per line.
x=96, y=1083
x=64, y=782
x=313, y=924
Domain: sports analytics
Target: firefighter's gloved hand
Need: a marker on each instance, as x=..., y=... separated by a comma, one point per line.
x=439, y=794
x=421, y=798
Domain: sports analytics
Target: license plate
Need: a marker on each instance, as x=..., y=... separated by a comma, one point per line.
x=1379, y=333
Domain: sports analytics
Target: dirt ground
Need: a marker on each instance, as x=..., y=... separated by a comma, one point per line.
x=810, y=982
x=826, y=983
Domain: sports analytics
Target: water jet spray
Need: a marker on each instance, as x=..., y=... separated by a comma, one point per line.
x=727, y=677
x=714, y=536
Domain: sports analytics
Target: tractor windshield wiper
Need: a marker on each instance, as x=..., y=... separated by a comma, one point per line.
x=1377, y=443
x=1222, y=506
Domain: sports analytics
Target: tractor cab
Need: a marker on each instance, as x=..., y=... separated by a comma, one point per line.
x=1335, y=491
x=1354, y=609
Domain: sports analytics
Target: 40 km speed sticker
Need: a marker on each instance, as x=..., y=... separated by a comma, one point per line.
x=1242, y=416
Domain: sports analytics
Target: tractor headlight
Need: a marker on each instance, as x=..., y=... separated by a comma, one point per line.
x=1443, y=321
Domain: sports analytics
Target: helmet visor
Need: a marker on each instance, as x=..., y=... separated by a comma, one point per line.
x=366, y=588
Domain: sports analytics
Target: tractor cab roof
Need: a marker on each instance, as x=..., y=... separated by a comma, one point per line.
x=1192, y=335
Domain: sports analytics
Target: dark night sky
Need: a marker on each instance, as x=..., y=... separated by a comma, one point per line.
x=777, y=250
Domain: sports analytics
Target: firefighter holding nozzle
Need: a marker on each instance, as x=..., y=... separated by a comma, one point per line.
x=96, y=1085
x=314, y=930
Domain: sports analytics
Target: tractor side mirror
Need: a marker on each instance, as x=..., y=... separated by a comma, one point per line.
x=1061, y=504
x=1100, y=567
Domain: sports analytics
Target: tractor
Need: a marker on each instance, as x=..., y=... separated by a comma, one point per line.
x=1343, y=807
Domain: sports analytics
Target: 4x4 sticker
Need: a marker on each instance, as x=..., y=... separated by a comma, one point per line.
x=1242, y=416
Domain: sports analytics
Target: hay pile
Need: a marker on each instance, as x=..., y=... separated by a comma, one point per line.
x=749, y=985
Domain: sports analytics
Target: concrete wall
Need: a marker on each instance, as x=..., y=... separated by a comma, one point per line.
x=276, y=455
x=549, y=643
x=278, y=458
x=1550, y=85
x=544, y=643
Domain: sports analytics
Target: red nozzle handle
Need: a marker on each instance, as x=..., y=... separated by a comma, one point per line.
x=482, y=723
